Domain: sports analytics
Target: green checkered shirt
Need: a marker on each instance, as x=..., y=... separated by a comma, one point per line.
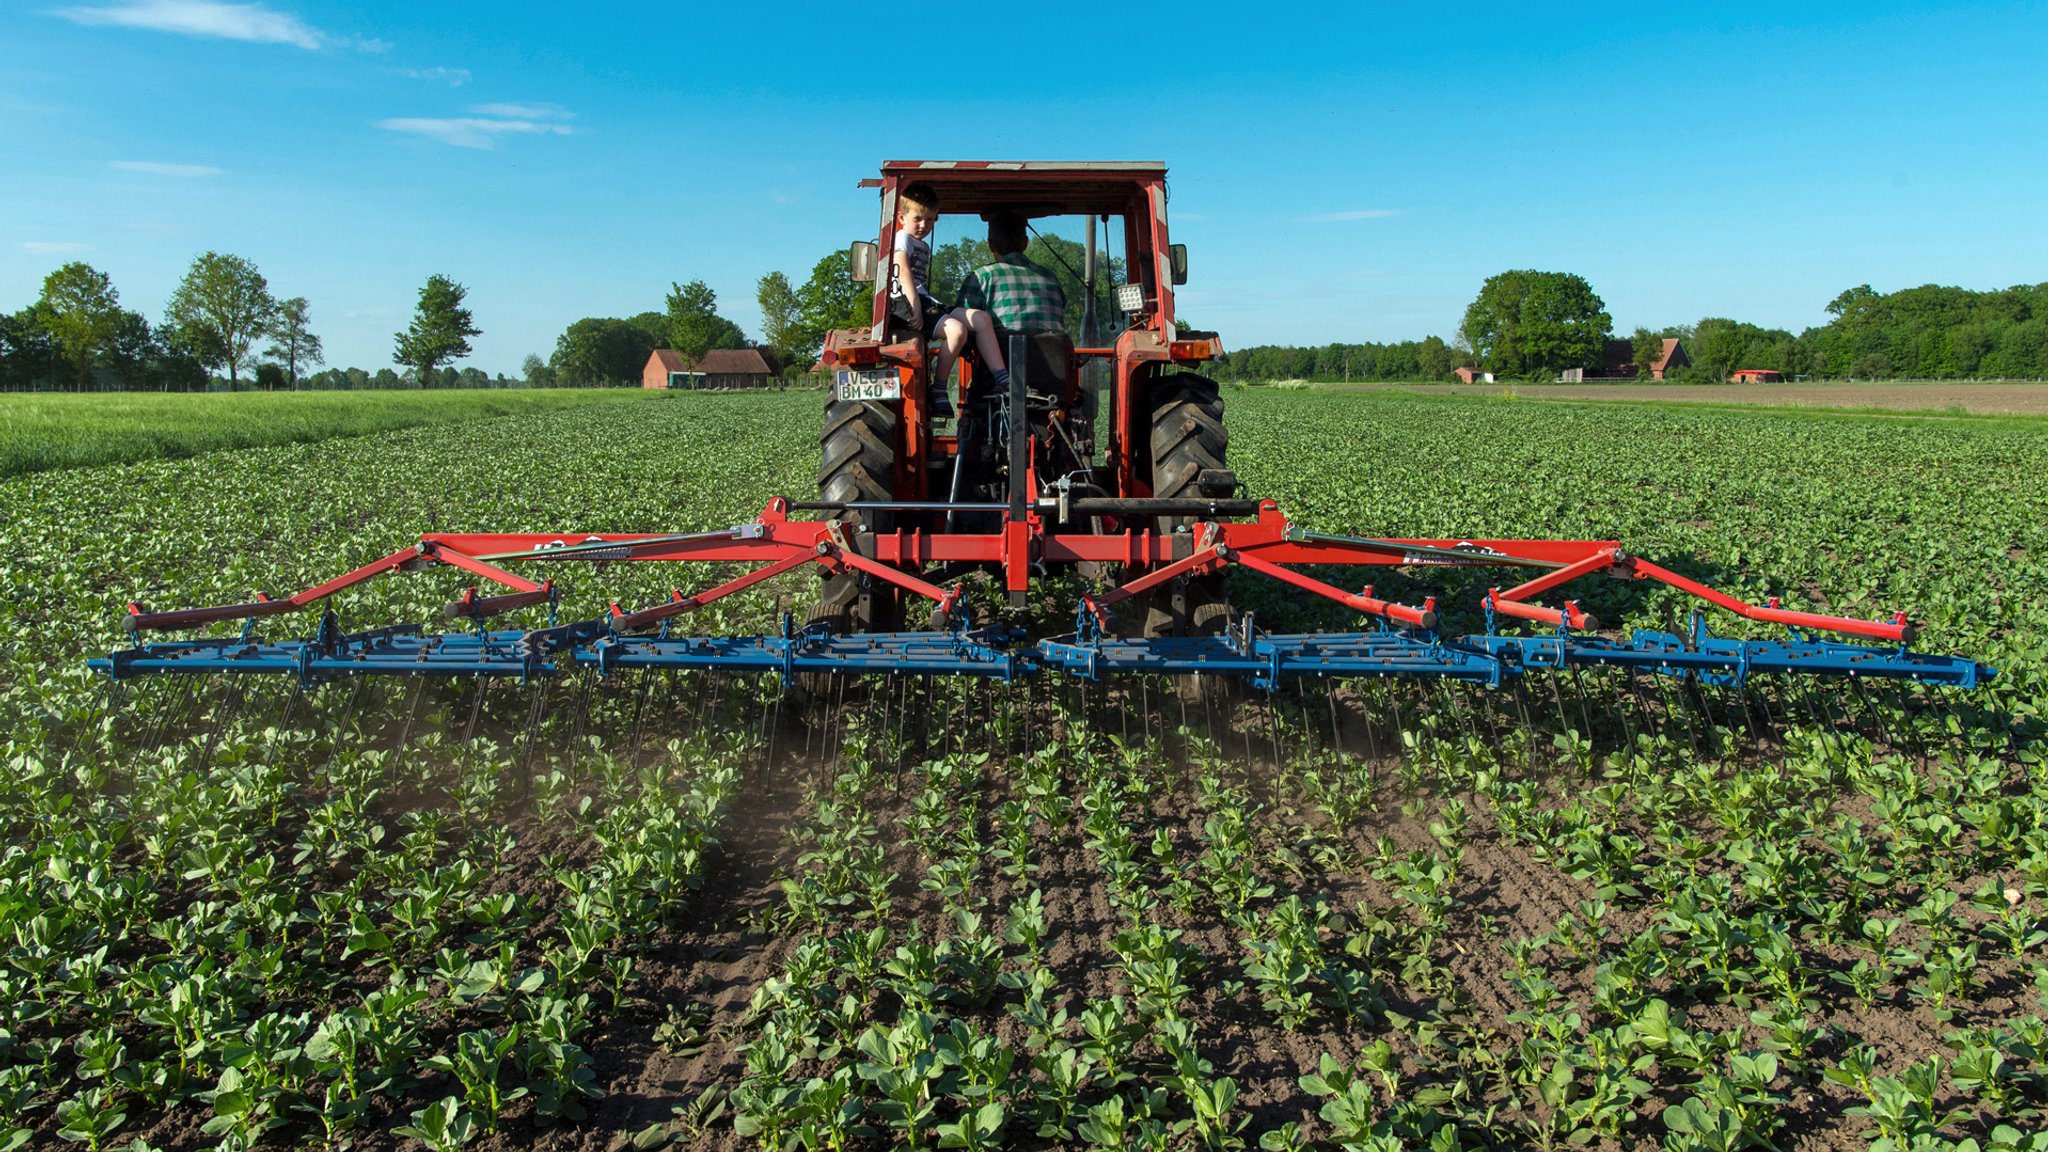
x=1023, y=296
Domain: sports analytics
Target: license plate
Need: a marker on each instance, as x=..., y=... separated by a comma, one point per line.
x=869, y=384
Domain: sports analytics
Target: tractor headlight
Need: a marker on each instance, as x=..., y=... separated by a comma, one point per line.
x=1130, y=297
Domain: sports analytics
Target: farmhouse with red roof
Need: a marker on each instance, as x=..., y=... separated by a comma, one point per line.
x=720, y=368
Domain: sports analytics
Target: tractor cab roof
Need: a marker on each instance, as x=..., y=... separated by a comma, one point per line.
x=1031, y=187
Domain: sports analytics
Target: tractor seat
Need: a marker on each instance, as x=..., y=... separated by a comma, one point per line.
x=1048, y=359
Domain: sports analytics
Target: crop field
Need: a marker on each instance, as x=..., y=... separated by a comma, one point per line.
x=40, y=430
x=698, y=911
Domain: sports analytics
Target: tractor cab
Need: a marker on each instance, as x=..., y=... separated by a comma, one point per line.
x=1096, y=390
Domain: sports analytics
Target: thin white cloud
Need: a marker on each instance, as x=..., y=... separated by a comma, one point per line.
x=469, y=131
x=522, y=111
x=453, y=77
x=54, y=247
x=253, y=23
x=155, y=169
x=1340, y=217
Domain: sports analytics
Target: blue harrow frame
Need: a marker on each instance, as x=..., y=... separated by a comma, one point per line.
x=1401, y=640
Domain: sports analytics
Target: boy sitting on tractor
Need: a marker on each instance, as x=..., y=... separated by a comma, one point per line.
x=912, y=304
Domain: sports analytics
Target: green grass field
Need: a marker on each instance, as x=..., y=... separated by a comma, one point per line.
x=40, y=431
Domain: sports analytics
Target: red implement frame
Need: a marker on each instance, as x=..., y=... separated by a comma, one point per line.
x=1266, y=545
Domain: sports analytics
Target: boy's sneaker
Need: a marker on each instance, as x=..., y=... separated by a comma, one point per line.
x=940, y=403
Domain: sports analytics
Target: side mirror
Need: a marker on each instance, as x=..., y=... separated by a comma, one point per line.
x=860, y=260
x=1177, y=256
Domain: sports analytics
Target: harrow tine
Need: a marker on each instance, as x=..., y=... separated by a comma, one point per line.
x=412, y=711
x=1675, y=713
x=1336, y=732
x=1878, y=725
x=476, y=708
x=1557, y=700
x=1308, y=727
x=1823, y=725
x=1725, y=695
x=337, y=732
x=1901, y=707
x=1145, y=706
x=582, y=726
x=1400, y=728
x=95, y=723
x=1528, y=726
x=717, y=697
x=221, y=719
x=1773, y=733
x=529, y=737
x=639, y=712
x=838, y=720
x=1372, y=740
x=1273, y=731
x=1692, y=697
x=284, y=720
x=180, y=701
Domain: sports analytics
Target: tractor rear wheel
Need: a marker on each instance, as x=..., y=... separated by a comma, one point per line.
x=857, y=462
x=1188, y=447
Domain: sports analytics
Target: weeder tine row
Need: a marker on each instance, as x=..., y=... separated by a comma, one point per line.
x=221, y=717
x=181, y=701
x=1901, y=707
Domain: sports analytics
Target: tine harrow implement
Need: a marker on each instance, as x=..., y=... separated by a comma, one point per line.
x=1402, y=641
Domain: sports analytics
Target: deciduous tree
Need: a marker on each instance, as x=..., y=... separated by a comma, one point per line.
x=219, y=311
x=601, y=350
x=694, y=325
x=293, y=343
x=82, y=312
x=1529, y=323
x=440, y=329
x=828, y=299
x=29, y=359
x=781, y=311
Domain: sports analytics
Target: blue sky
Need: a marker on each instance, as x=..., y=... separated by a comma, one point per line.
x=1340, y=172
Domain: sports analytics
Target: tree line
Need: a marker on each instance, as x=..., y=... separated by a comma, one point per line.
x=1532, y=325
x=223, y=323
x=222, y=318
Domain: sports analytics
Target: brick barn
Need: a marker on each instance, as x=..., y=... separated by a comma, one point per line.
x=1621, y=360
x=720, y=368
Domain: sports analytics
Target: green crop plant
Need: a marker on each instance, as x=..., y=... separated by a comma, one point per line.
x=441, y=1126
x=1903, y=1109
x=907, y=1074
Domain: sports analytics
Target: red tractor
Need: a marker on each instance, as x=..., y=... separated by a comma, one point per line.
x=1106, y=454
x=1122, y=428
